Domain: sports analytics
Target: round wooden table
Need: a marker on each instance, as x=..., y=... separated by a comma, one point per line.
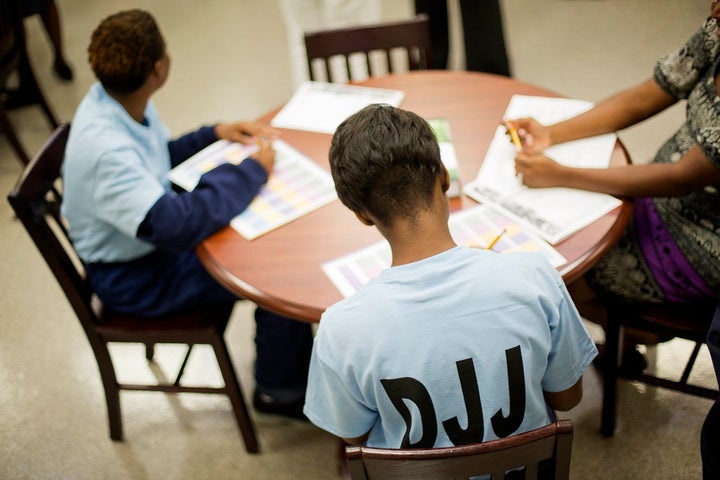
x=281, y=270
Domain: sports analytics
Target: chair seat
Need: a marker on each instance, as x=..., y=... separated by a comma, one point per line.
x=123, y=323
x=690, y=321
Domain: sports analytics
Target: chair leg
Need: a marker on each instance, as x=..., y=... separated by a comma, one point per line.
x=183, y=365
x=149, y=351
x=610, y=374
x=690, y=363
x=234, y=391
x=112, y=390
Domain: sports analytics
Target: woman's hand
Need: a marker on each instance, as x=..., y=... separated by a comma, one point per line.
x=246, y=132
x=538, y=171
x=534, y=136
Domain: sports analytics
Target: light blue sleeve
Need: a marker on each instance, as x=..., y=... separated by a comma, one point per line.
x=572, y=349
x=332, y=401
x=125, y=189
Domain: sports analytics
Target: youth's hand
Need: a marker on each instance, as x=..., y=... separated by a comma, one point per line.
x=534, y=136
x=246, y=132
x=538, y=171
x=265, y=156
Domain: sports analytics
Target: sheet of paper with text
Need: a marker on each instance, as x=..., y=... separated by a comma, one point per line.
x=554, y=213
x=321, y=107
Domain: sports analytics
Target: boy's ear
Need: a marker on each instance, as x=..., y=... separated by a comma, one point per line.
x=364, y=219
x=445, y=180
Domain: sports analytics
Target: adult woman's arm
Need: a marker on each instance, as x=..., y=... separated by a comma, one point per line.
x=620, y=111
x=692, y=172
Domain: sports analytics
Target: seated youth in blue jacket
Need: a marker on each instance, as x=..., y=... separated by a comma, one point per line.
x=135, y=234
x=450, y=345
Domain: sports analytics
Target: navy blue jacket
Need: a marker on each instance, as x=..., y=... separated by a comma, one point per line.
x=179, y=222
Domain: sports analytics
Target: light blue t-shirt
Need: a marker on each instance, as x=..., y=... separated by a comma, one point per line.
x=456, y=348
x=114, y=170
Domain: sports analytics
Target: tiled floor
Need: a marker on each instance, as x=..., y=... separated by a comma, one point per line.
x=230, y=62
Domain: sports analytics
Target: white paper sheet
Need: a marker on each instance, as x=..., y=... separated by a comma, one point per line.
x=321, y=107
x=554, y=213
x=296, y=187
x=187, y=174
x=477, y=226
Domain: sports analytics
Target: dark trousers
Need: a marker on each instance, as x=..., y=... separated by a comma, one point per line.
x=710, y=435
x=710, y=443
x=482, y=30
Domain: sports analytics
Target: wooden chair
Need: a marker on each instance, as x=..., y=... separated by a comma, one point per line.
x=36, y=200
x=411, y=35
x=688, y=321
x=14, y=60
x=494, y=457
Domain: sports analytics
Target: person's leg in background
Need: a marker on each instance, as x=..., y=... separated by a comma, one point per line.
x=710, y=443
x=437, y=13
x=50, y=16
x=283, y=347
x=51, y=19
x=484, y=38
x=302, y=16
x=710, y=434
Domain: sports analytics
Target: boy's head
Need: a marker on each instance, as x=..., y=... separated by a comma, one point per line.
x=386, y=163
x=124, y=49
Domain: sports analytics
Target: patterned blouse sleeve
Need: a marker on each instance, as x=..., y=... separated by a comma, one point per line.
x=678, y=71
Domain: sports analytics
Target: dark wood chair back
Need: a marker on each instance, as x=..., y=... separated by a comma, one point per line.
x=494, y=457
x=669, y=320
x=412, y=36
x=36, y=201
x=14, y=59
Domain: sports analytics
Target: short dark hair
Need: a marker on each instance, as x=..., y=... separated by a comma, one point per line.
x=385, y=161
x=124, y=48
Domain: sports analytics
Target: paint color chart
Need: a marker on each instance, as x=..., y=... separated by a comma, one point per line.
x=188, y=173
x=297, y=186
x=472, y=227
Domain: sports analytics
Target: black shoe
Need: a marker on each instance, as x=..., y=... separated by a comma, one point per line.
x=633, y=362
x=266, y=404
x=63, y=70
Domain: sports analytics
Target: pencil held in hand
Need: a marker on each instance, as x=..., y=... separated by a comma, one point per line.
x=514, y=135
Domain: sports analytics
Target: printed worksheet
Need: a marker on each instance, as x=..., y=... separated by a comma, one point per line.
x=296, y=186
x=553, y=213
x=321, y=107
x=477, y=227
x=187, y=174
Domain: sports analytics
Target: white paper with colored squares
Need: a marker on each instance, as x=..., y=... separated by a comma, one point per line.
x=296, y=186
x=477, y=226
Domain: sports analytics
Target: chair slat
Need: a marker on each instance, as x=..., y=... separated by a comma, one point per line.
x=413, y=34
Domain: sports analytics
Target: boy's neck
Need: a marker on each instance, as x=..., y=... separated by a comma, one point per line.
x=410, y=242
x=135, y=102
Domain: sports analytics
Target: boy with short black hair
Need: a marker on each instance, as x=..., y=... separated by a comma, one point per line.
x=450, y=345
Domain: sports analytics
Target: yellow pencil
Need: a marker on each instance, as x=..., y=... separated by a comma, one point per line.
x=514, y=135
x=495, y=240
